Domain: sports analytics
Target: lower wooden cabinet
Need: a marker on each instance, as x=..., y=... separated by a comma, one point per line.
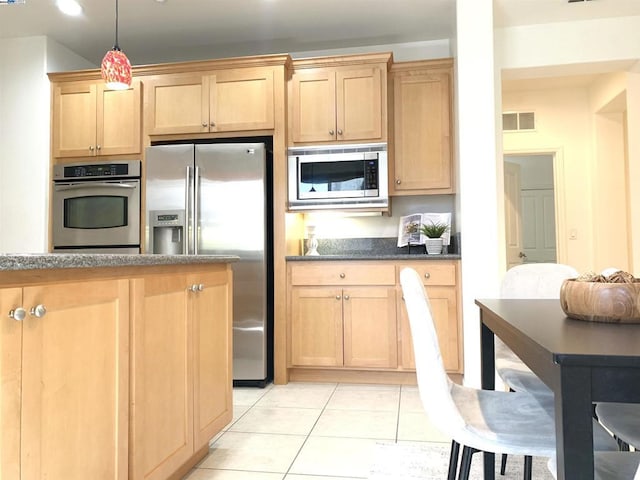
x=350, y=315
x=181, y=384
x=65, y=371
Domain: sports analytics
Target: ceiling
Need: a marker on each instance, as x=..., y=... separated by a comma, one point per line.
x=154, y=32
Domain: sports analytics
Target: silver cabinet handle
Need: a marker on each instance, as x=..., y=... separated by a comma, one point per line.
x=38, y=311
x=346, y=297
x=398, y=182
x=18, y=314
x=339, y=132
x=427, y=275
x=342, y=275
x=91, y=148
x=205, y=124
x=212, y=124
x=331, y=132
x=337, y=297
x=193, y=288
x=98, y=147
x=200, y=287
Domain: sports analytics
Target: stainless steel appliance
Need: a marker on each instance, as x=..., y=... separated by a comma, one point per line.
x=216, y=199
x=342, y=176
x=96, y=207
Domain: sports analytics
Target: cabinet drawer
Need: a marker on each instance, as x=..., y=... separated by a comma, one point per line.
x=433, y=273
x=324, y=273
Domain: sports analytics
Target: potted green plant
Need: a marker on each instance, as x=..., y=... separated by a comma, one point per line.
x=434, y=232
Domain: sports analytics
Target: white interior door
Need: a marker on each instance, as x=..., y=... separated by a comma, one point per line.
x=538, y=225
x=512, y=214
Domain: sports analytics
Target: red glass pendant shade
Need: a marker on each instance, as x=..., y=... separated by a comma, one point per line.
x=116, y=69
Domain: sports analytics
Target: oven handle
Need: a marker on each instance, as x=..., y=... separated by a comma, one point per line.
x=75, y=186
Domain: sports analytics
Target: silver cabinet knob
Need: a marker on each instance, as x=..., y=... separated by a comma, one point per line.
x=91, y=148
x=346, y=297
x=205, y=124
x=98, y=147
x=398, y=182
x=200, y=287
x=337, y=297
x=427, y=275
x=18, y=314
x=342, y=275
x=38, y=311
x=193, y=288
x=212, y=124
x=339, y=132
x=331, y=132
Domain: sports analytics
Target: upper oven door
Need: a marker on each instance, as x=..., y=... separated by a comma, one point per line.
x=94, y=213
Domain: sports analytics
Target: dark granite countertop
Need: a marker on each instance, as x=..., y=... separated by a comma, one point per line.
x=375, y=249
x=33, y=261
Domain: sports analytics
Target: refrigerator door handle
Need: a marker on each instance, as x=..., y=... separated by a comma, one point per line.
x=188, y=238
x=196, y=208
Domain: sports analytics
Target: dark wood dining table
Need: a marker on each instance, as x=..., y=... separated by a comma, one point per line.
x=582, y=362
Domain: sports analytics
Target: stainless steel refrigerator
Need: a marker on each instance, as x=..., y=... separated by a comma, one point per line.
x=215, y=199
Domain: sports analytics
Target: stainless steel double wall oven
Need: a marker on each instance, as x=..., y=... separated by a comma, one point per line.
x=96, y=207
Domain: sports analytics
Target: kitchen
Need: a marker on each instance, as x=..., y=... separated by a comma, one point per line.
x=474, y=134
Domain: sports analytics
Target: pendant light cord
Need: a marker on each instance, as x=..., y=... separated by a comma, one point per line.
x=116, y=46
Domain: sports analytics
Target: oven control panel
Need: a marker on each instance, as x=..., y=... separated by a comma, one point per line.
x=76, y=171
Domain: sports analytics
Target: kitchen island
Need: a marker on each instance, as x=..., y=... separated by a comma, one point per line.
x=112, y=366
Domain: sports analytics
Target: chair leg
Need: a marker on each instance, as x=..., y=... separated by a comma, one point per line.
x=528, y=463
x=503, y=464
x=453, y=460
x=465, y=463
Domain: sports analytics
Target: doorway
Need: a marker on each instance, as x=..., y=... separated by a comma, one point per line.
x=530, y=214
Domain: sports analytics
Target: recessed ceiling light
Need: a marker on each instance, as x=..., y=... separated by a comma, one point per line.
x=69, y=7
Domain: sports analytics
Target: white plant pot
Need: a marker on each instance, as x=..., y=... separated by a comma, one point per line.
x=434, y=246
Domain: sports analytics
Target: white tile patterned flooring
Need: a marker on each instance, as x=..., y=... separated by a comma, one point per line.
x=313, y=431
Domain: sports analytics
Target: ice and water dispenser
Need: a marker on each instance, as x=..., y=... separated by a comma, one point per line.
x=167, y=232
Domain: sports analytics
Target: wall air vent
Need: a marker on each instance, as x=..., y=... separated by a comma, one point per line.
x=518, y=121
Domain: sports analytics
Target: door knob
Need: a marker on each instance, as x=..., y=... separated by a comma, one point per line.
x=522, y=255
x=18, y=314
x=38, y=311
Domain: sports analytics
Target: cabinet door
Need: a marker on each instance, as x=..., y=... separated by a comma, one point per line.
x=10, y=380
x=162, y=398
x=445, y=317
x=359, y=104
x=74, y=120
x=370, y=327
x=422, y=140
x=313, y=106
x=75, y=381
x=118, y=121
x=316, y=326
x=213, y=379
x=177, y=104
x=241, y=99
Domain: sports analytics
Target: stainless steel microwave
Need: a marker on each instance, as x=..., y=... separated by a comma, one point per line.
x=338, y=177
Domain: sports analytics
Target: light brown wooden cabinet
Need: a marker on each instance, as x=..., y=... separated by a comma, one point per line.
x=349, y=315
x=65, y=377
x=221, y=101
x=89, y=120
x=339, y=315
x=334, y=102
x=181, y=380
x=440, y=280
x=422, y=144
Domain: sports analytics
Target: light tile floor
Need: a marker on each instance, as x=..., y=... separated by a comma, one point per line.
x=313, y=431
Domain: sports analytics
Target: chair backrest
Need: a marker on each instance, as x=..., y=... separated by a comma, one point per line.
x=535, y=280
x=433, y=383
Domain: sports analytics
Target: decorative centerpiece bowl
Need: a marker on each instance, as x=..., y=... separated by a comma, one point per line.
x=596, y=298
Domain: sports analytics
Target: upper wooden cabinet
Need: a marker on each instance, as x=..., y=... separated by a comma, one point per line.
x=222, y=101
x=421, y=155
x=339, y=99
x=88, y=119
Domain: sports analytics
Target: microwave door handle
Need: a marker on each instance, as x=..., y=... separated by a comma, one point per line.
x=76, y=186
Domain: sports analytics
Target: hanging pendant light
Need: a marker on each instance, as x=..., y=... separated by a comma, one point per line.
x=116, y=68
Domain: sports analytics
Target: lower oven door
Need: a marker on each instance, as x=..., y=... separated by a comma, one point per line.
x=96, y=213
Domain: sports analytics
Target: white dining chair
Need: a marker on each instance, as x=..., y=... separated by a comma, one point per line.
x=623, y=420
x=479, y=420
x=529, y=280
x=610, y=466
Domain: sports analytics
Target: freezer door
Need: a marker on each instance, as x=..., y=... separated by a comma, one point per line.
x=168, y=186
x=232, y=220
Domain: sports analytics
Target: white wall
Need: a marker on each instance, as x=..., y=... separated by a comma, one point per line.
x=24, y=140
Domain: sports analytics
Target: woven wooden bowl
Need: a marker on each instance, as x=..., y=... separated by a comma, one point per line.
x=601, y=302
